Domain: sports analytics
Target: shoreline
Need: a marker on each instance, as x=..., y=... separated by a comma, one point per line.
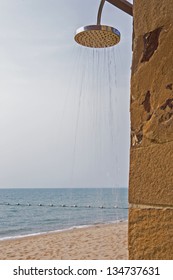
x=94, y=242
x=58, y=230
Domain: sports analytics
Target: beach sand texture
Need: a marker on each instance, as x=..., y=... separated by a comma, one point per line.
x=98, y=242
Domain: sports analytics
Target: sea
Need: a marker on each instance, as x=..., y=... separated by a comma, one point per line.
x=25, y=212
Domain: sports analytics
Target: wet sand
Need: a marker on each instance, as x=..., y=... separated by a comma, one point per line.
x=99, y=242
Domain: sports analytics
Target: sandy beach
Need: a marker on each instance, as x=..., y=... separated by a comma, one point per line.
x=98, y=242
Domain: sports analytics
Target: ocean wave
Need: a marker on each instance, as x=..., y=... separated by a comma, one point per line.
x=60, y=230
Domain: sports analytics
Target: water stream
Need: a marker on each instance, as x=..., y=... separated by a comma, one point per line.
x=90, y=115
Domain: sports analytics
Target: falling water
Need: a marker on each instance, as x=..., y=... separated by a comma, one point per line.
x=91, y=113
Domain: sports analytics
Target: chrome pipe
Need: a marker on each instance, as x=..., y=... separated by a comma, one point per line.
x=100, y=12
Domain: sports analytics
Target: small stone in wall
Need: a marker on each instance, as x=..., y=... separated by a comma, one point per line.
x=168, y=103
x=136, y=139
x=169, y=86
x=151, y=42
x=146, y=102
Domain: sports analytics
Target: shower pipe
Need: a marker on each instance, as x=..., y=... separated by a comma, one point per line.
x=121, y=4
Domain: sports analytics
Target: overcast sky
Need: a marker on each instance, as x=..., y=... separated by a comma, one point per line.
x=42, y=141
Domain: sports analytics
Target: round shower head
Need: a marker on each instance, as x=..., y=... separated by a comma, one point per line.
x=97, y=36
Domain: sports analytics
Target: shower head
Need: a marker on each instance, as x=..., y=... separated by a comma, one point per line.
x=97, y=36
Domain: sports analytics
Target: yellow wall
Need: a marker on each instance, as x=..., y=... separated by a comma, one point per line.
x=151, y=155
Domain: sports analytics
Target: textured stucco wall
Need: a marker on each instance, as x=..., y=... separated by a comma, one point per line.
x=151, y=155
